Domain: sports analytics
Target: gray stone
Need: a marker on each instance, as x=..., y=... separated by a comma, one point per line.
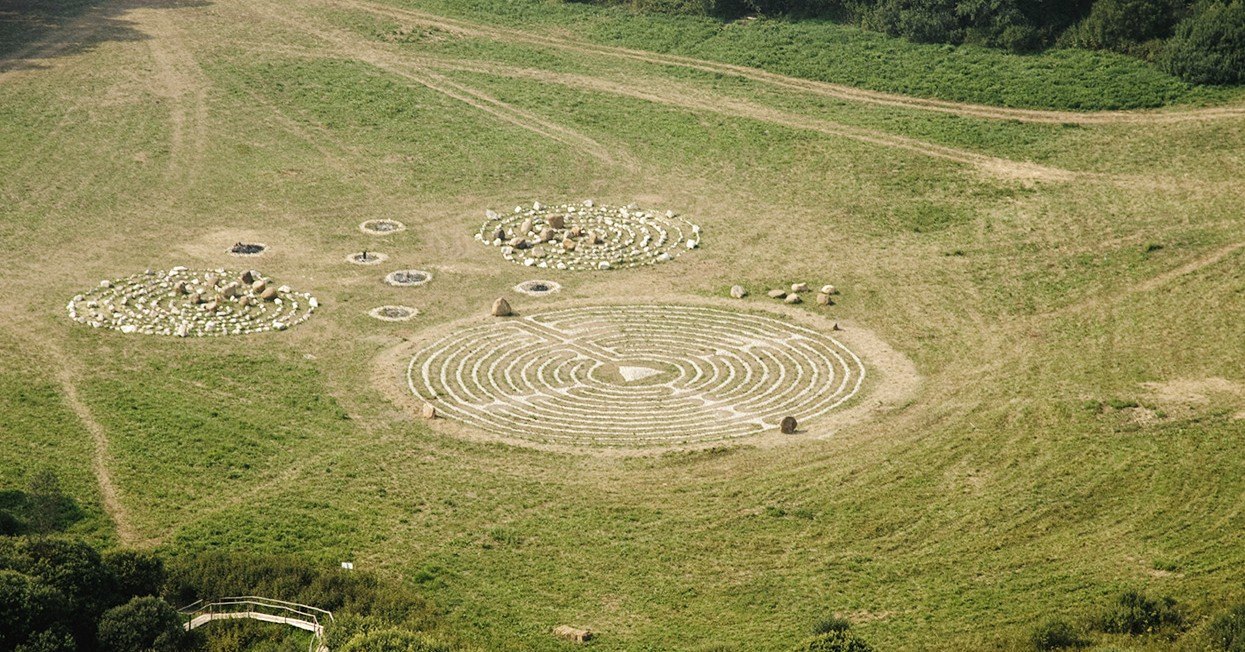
x=793, y=299
x=738, y=291
x=776, y=294
x=788, y=425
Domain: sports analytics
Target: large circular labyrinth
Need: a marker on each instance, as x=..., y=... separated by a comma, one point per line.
x=634, y=375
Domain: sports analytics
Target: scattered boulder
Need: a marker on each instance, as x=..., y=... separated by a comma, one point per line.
x=788, y=425
x=269, y=294
x=793, y=298
x=546, y=234
x=248, y=276
x=829, y=289
x=557, y=221
x=519, y=243
x=799, y=287
x=568, y=244
x=499, y=234
x=777, y=294
x=824, y=299
x=738, y=291
x=501, y=308
x=429, y=411
x=572, y=634
x=526, y=227
x=258, y=286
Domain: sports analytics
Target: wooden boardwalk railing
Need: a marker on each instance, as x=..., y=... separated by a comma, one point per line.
x=304, y=617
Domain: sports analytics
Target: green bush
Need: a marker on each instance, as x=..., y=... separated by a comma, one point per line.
x=1135, y=613
x=393, y=639
x=1055, y=635
x=1123, y=25
x=28, y=608
x=145, y=624
x=832, y=624
x=1227, y=631
x=1209, y=45
x=838, y=641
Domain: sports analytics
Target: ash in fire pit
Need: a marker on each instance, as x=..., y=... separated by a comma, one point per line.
x=248, y=249
x=408, y=277
x=382, y=227
x=393, y=313
x=537, y=288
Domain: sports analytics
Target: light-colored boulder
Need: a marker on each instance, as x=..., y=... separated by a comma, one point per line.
x=501, y=308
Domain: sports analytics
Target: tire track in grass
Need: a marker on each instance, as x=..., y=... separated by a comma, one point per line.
x=416, y=68
x=825, y=89
x=347, y=45
x=683, y=96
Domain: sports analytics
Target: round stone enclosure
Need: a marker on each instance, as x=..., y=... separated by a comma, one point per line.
x=408, y=277
x=633, y=375
x=367, y=258
x=394, y=313
x=192, y=303
x=538, y=288
x=382, y=227
x=587, y=236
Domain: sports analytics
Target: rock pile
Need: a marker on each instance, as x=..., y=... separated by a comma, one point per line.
x=587, y=236
x=188, y=303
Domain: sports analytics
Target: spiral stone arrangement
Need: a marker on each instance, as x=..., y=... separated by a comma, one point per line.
x=634, y=375
x=587, y=236
x=190, y=303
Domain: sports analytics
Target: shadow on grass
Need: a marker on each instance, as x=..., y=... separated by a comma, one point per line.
x=22, y=513
x=35, y=31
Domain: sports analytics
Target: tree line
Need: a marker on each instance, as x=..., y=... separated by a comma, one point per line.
x=1200, y=41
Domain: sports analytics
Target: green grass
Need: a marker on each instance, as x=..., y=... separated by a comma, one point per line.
x=993, y=500
x=828, y=51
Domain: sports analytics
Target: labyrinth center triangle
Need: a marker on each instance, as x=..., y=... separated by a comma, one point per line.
x=631, y=374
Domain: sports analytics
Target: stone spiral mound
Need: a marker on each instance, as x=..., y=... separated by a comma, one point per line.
x=634, y=375
x=189, y=303
x=587, y=236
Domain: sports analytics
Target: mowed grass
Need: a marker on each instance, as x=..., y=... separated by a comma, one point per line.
x=1009, y=490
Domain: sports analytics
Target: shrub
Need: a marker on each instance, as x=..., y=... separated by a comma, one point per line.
x=393, y=640
x=1227, y=631
x=1055, y=635
x=1135, y=613
x=1209, y=45
x=27, y=608
x=146, y=624
x=134, y=573
x=832, y=624
x=1123, y=25
x=839, y=641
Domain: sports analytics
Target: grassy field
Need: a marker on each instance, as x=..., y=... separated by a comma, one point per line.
x=1068, y=287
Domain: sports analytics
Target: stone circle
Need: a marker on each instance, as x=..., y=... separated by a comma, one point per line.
x=247, y=249
x=408, y=277
x=394, y=313
x=381, y=227
x=367, y=258
x=633, y=375
x=538, y=288
x=587, y=236
x=192, y=303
